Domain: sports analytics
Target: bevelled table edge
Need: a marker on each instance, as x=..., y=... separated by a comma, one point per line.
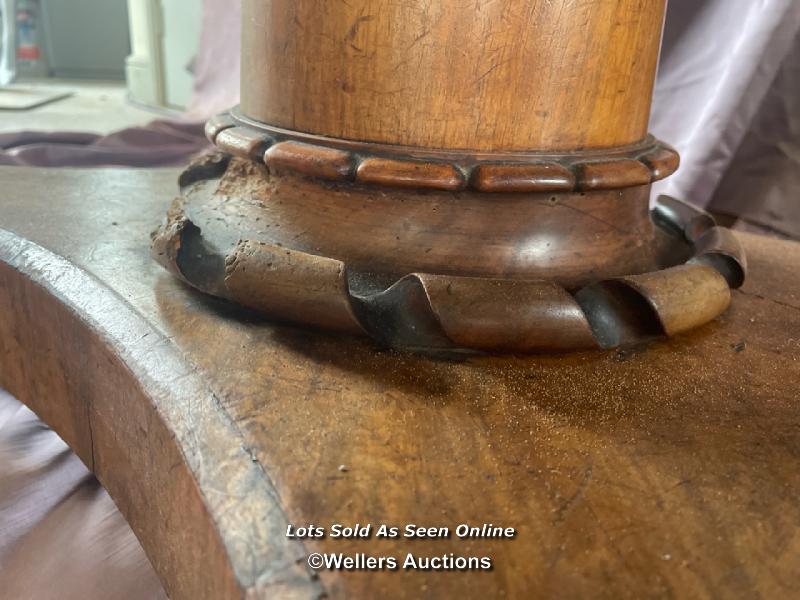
x=150, y=364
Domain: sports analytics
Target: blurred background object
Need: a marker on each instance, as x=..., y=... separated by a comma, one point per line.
x=164, y=41
x=71, y=104
x=84, y=39
x=60, y=534
x=150, y=43
x=762, y=182
x=30, y=57
x=728, y=98
x=8, y=41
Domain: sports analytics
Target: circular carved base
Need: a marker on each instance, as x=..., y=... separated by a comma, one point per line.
x=449, y=270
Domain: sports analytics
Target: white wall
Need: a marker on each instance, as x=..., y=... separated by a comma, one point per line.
x=164, y=39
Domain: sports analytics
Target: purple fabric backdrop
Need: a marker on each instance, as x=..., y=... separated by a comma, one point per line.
x=159, y=144
x=728, y=98
x=61, y=537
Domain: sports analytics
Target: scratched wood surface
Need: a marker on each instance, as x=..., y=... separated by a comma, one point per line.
x=510, y=75
x=661, y=471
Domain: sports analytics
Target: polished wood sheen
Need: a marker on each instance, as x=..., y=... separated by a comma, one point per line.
x=664, y=470
x=571, y=239
x=522, y=120
x=295, y=249
x=509, y=75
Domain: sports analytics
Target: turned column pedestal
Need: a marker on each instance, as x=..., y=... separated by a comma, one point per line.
x=450, y=177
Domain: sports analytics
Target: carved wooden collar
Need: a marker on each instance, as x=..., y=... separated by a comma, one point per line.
x=397, y=166
x=463, y=178
x=238, y=258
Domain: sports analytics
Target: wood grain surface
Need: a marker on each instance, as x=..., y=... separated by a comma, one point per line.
x=511, y=75
x=571, y=238
x=668, y=470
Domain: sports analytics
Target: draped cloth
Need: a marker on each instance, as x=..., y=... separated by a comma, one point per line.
x=61, y=537
x=727, y=97
x=161, y=143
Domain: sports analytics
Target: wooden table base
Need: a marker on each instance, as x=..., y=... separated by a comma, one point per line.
x=665, y=470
